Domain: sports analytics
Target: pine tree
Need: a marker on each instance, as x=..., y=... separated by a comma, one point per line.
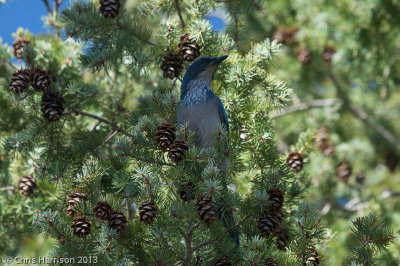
x=121, y=181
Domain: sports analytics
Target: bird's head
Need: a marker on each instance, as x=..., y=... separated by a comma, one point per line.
x=203, y=69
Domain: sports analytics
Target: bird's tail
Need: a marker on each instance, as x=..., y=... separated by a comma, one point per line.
x=226, y=217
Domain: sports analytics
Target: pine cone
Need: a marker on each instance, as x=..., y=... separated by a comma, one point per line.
x=19, y=45
x=328, y=53
x=290, y=35
x=360, y=178
x=188, y=49
x=186, y=193
x=224, y=261
x=61, y=240
x=207, y=211
x=147, y=212
x=20, y=81
x=109, y=8
x=343, y=171
x=102, y=210
x=41, y=80
x=271, y=262
x=81, y=227
x=177, y=150
x=118, y=221
x=313, y=259
x=159, y=263
x=269, y=223
x=171, y=65
x=52, y=105
x=73, y=199
x=276, y=199
x=295, y=161
x=303, y=55
x=321, y=141
x=26, y=186
x=282, y=238
x=279, y=35
x=165, y=135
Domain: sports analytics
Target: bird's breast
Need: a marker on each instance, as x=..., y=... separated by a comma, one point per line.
x=203, y=119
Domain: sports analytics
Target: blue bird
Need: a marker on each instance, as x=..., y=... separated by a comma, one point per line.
x=204, y=113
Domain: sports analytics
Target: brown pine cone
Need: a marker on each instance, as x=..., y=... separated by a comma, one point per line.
x=177, y=150
x=279, y=35
x=109, y=8
x=282, y=238
x=303, y=55
x=343, y=171
x=171, y=65
x=321, y=141
x=186, y=192
x=52, y=106
x=295, y=161
x=270, y=262
x=147, y=212
x=313, y=259
x=328, y=53
x=81, y=227
x=207, y=211
x=40, y=80
x=165, y=135
x=20, y=81
x=269, y=223
x=26, y=185
x=102, y=210
x=188, y=49
x=290, y=36
x=73, y=199
x=118, y=221
x=19, y=45
x=276, y=199
x=224, y=261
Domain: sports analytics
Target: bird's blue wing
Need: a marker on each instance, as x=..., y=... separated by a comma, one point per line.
x=222, y=114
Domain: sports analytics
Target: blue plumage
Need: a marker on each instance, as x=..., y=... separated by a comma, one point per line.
x=204, y=113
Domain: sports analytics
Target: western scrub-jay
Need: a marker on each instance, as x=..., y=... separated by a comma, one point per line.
x=204, y=113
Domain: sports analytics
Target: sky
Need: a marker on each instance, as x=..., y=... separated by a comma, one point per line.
x=27, y=14
x=22, y=13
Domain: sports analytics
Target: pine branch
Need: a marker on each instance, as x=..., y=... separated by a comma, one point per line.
x=189, y=249
x=365, y=117
x=101, y=119
x=9, y=188
x=46, y=2
x=180, y=14
x=319, y=103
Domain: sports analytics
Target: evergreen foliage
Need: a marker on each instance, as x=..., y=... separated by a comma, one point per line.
x=104, y=126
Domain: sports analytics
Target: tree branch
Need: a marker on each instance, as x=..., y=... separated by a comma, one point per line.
x=179, y=13
x=113, y=124
x=46, y=2
x=319, y=103
x=9, y=188
x=202, y=244
x=365, y=117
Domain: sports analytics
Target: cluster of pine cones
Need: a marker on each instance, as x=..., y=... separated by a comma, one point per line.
x=172, y=63
x=287, y=36
x=102, y=211
x=166, y=139
x=52, y=103
x=321, y=141
x=270, y=222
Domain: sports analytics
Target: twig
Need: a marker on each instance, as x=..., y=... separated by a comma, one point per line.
x=364, y=117
x=9, y=188
x=189, y=249
x=236, y=34
x=319, y=103
x=179, y=13
x=113, y=124
x=46, y=2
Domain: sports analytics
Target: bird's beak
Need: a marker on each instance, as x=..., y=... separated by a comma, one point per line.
x=219, y=60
